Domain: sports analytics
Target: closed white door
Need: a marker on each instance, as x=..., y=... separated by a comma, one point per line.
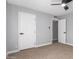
x=27, y=30
x=62, y=31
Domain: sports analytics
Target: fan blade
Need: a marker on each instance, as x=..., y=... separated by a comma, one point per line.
x=66, y=1
x=55, y=4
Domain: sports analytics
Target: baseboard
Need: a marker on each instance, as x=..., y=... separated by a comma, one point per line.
x=48, y=43
x=14, y=51
x=69, y=44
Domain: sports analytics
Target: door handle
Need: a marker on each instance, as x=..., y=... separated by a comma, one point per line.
x=21, y=33
x=64, y=32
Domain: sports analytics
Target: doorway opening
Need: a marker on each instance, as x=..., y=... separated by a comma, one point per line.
x=55, y=31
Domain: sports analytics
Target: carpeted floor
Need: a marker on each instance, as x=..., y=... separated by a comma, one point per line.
x=54, y=51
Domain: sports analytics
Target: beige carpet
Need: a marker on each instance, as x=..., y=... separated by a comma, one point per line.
x=54, y=51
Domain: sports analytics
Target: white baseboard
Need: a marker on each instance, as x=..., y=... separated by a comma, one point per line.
x=48, y=43
x=14, y=51
x=69, y=44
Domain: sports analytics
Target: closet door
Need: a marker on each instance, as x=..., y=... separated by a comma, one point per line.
x=62, y=31
x=27, y=30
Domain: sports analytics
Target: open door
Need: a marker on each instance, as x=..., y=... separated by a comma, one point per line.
x=62, y=31
x=27, y=30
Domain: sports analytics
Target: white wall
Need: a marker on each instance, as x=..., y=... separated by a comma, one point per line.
x=12, y=28
x=44, y=35
x=43, y=20
x=70, y=28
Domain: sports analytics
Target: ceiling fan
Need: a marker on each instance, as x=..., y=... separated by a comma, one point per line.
x=63, y=4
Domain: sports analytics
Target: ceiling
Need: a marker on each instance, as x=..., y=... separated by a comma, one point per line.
x=43, y=6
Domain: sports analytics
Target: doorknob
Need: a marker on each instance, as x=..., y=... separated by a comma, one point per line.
x=64, y=32
x=21, y=33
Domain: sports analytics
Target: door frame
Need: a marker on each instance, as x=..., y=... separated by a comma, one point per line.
x=18, y=32
x=55, y=19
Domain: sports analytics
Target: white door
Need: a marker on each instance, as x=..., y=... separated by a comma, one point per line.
x=27, y=30
x=62, y=31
